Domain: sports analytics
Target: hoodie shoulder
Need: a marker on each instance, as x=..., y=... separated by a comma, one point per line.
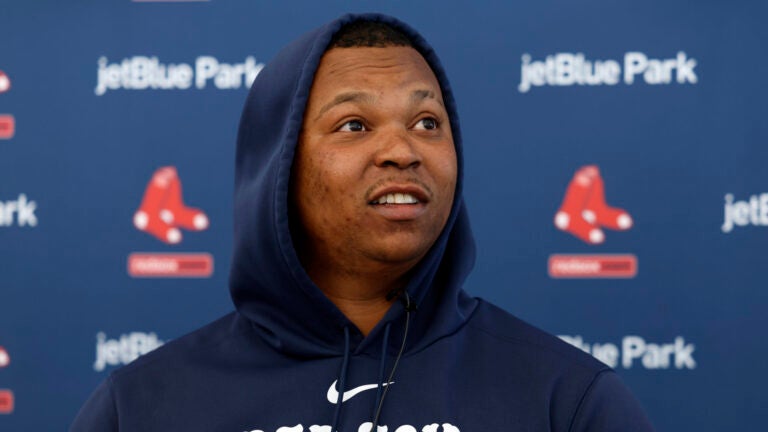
x=582, y=393
x=99, y=412
x=512, y=331
x=187, y=348
x=137, y=394
x=608, y=405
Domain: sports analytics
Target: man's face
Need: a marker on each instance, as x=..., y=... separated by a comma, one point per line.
x=375, y=169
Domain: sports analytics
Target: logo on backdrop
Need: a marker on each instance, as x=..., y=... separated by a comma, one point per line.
x=5, y=82
x=5, y=359
x=6, y=401
x=148, y=73
x=568, y=69
x=18, y=212
x=584, y=211
x=6, y=396
x=162, y=214
x=7, y=126
x=635, y=351
x=583, y=214
x=123, y=350
x=747, y=212
x=7, y=121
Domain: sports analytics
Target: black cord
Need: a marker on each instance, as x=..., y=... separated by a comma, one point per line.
x=409, y=307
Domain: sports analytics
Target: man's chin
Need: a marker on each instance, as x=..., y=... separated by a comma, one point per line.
x=400, y=255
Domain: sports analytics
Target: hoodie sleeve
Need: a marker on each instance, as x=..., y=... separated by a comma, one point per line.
x=99, y=412
x=608, y=406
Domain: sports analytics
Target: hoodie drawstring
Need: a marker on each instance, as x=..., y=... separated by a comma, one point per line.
x=380, y=395
x=342, y=381
x=382, y=365
x=409, y=307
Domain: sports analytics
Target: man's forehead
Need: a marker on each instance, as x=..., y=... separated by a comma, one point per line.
x=359, y=74
x=373, y=60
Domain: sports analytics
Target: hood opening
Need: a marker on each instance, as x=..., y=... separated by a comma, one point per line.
x=268, y=284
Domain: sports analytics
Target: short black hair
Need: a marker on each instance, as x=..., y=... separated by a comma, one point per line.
x=369, y=34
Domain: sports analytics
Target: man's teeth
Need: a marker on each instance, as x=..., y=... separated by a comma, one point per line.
x=397, y=198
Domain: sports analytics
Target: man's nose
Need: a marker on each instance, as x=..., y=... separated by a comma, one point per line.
x=397, y=149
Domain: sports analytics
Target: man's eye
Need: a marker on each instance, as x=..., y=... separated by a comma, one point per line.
x=352, y=126
x=427, y=123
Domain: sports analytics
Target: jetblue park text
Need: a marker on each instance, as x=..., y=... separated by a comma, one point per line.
x=19, y=212
x=747, y=212
x=142, y=73
x=116, y=352
x=567, y=69
x=635, y=351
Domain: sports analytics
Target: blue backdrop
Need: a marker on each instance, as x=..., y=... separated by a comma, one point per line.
x=570, y=108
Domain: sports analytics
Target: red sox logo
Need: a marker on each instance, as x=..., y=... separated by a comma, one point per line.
x=163, y=212
x=6, y=401
x=5, y=82
x=7, y=121
x=7, y=126
x=6, y=396
x=584, y=211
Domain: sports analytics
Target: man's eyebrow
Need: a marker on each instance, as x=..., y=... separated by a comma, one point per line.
x=419, y=95
x=344, y=98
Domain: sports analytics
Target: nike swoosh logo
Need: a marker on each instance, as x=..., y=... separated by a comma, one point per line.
x=333, y=394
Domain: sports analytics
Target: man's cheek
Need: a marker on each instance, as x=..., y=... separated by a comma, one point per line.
x=318, y=184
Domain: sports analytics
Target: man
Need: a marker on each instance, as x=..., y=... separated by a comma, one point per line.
x=352, y=244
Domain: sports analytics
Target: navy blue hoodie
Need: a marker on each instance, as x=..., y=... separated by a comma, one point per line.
x=288, y=360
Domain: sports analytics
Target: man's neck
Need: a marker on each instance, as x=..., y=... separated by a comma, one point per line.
x=360, y=297
x=365, y=314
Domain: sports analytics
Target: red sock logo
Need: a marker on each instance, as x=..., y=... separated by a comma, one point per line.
x=6, y=401
x=584, y=210
x=5, y=82
x=163, y=211
x=7, y=126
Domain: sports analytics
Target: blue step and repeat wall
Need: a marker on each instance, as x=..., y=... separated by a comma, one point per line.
x=616, y=180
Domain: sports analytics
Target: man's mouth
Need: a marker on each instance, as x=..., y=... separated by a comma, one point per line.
x=399, y=203
x=396, y=198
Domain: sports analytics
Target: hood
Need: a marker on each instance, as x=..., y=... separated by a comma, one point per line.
x=268, y=284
